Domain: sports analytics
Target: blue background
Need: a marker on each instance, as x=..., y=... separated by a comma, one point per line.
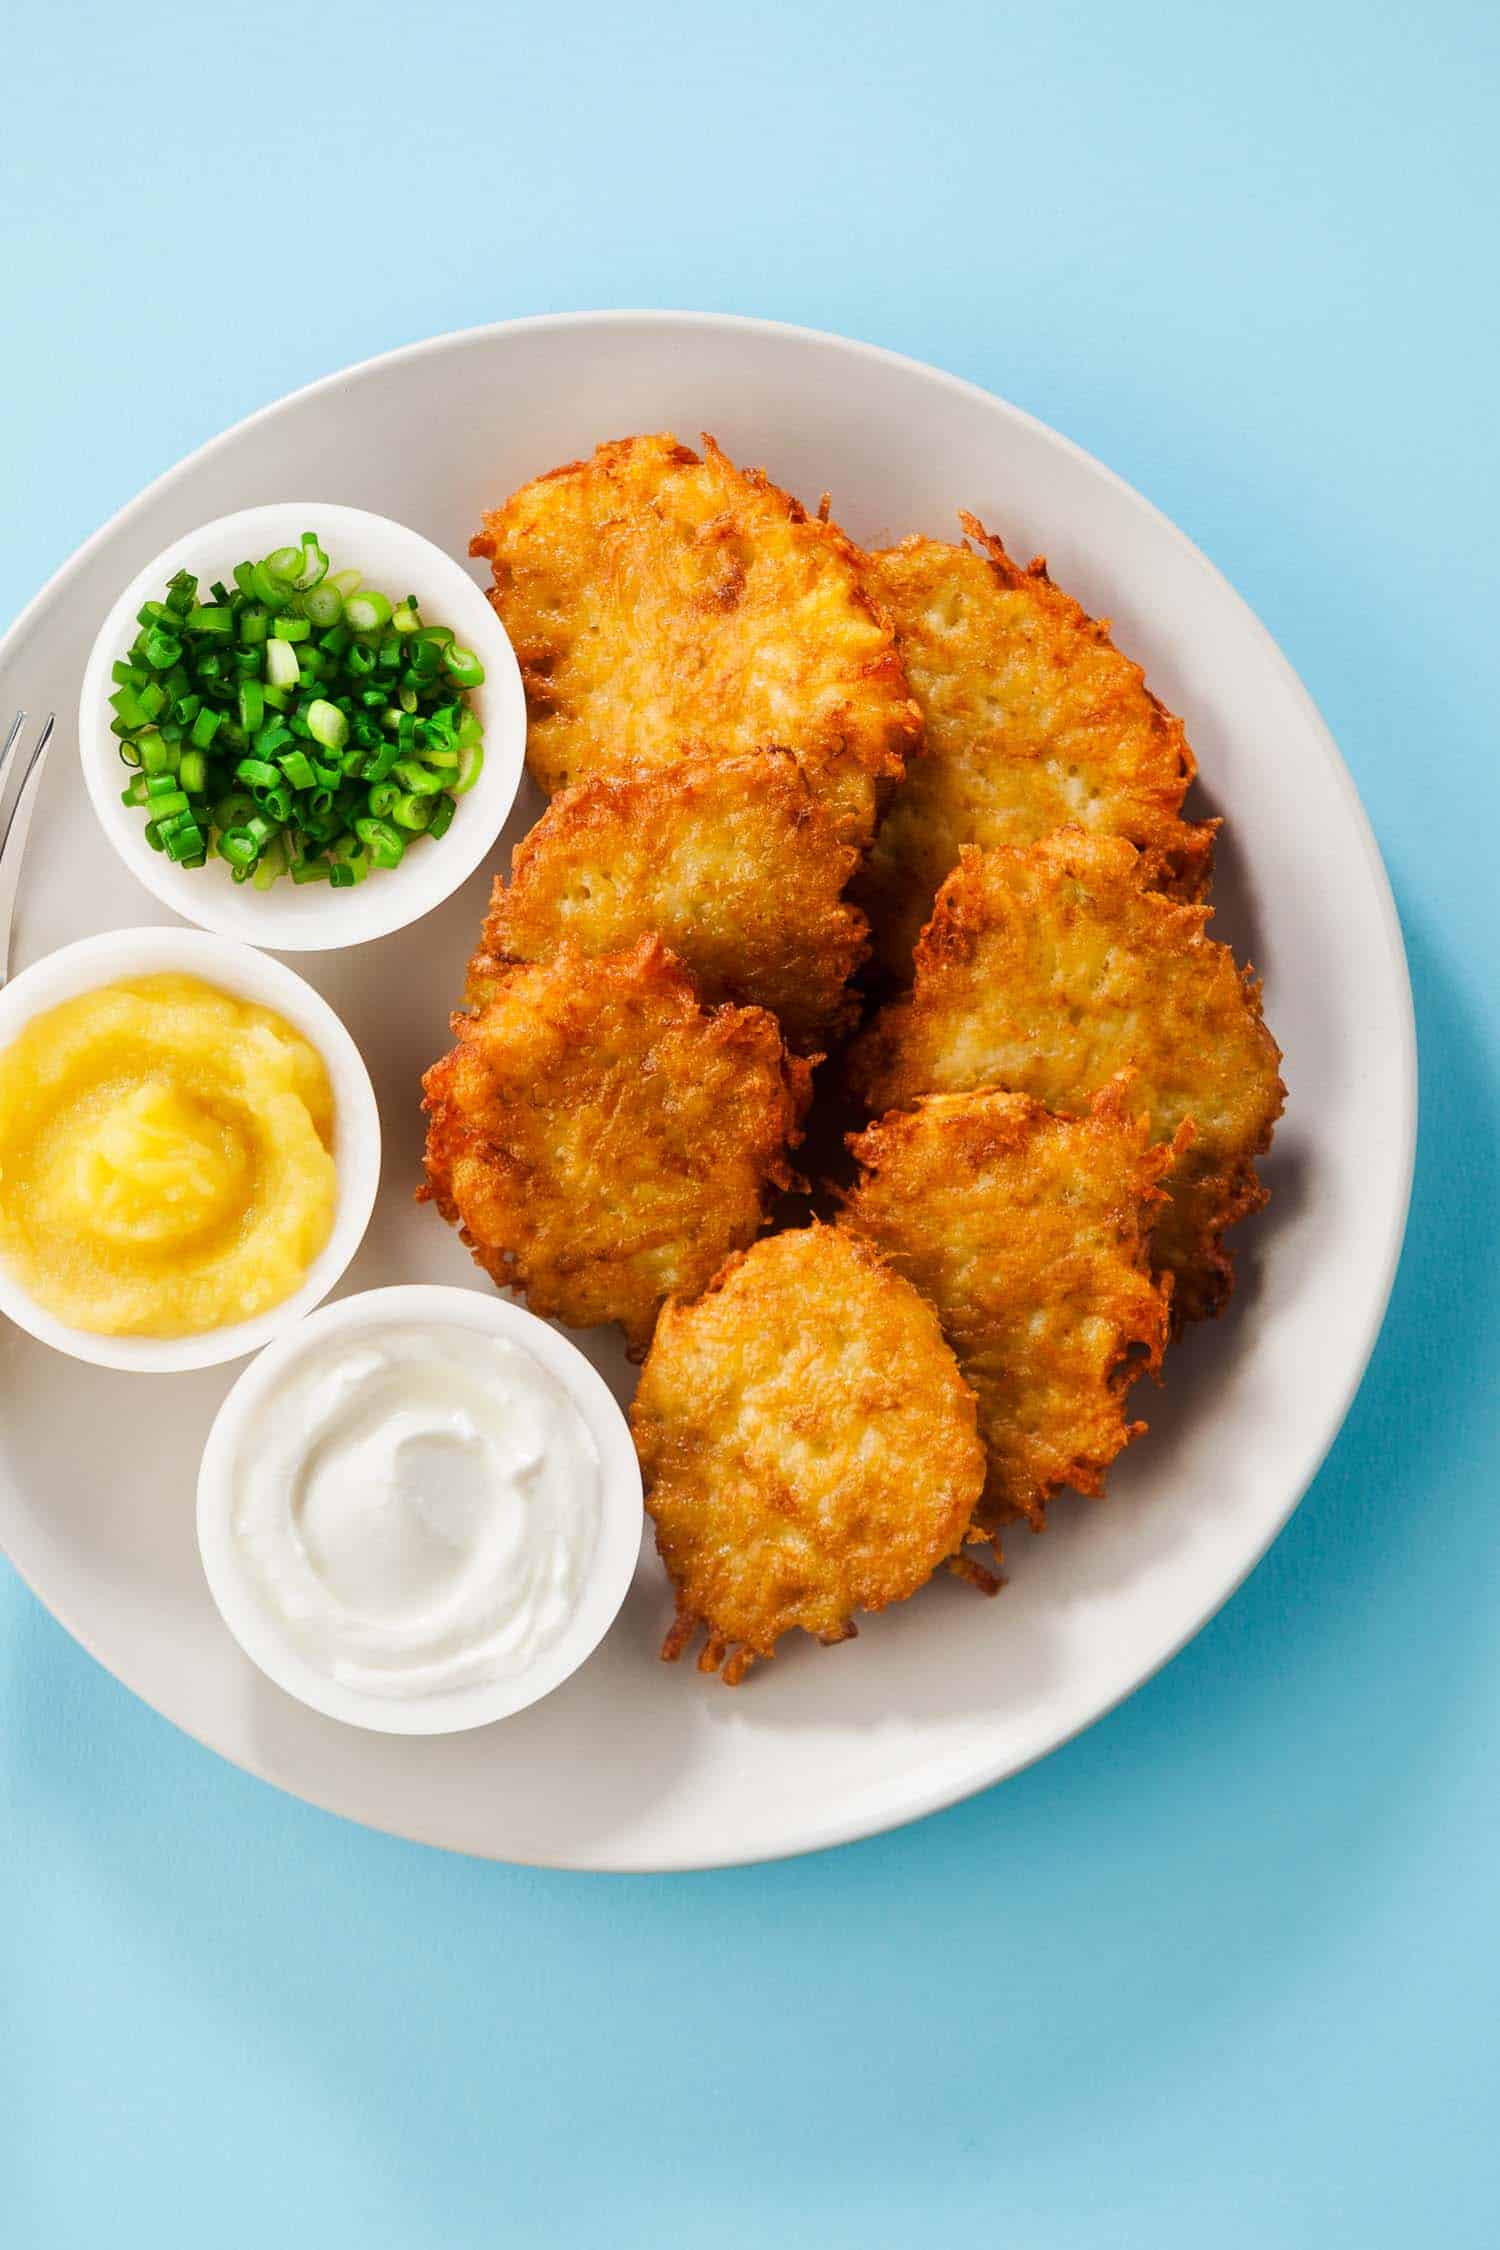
x=1224, y=1972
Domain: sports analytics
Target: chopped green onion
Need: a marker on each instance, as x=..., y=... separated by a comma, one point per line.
x=378, y=767
x=298, y=768
x=127, y=705
x=327, y=724
x=367, y=612
x=314, y=563
x=282, y=668
x=297, y=723
x=383, y=842
x=323, y=606
x=348, y=852
x=272, y=862
x=274, y=592
x=417, y=778
x=233, y=810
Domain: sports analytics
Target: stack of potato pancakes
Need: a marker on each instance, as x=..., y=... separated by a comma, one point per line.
x=897, y=836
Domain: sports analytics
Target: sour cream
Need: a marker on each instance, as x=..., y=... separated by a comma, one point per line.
x=417, y=1509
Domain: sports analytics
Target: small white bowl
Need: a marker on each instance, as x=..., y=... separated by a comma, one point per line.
x=310, y=917
x=616, y=1550
x=117, y=954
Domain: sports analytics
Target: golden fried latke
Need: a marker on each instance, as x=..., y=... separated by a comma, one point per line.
x=1034, y=720
x=808, y=1443
x=658, y=602
x=1046, y=971
x=1030, y=1233
x=602, y=1141
x=732, y=863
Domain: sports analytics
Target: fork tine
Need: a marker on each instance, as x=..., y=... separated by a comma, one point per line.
x=18, y=790
x=16, y=725
x=16, y=801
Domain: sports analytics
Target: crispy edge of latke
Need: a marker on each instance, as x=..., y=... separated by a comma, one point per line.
x=874, y=1074
x=1178, y=851
x=881, y=754
x=485, y=540
x=724, y=1653
x=449, y=1131
x=1183, y=868
x=1007, y=1121
x=604, y=801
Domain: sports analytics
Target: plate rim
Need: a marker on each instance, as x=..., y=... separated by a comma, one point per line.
x=918, y=1802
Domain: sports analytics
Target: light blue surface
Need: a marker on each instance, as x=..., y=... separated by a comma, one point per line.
x=1223, y=1974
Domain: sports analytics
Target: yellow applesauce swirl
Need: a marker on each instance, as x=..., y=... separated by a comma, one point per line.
x=165, y=1158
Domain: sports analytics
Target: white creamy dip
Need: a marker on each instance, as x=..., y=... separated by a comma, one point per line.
x=417, y=1508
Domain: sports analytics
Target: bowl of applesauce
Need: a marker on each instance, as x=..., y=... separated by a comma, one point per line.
x=189, y=1149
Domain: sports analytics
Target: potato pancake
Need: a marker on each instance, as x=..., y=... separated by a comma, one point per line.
x=1030, y=1233
x=809, y=1446
x=602, y=1141
x=659, y=602
x=1048, y=970
x=1034, y=721
x=733, y=863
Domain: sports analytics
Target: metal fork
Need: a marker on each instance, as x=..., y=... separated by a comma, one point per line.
x=18, y=772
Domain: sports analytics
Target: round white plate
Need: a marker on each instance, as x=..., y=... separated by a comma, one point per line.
x=634, y=1764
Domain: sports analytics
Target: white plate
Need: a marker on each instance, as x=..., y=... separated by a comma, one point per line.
x=633, y=1764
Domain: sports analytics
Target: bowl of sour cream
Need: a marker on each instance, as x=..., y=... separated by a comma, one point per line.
x=420, y=1510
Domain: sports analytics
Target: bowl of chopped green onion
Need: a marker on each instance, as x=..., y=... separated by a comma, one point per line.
x=302, y=725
